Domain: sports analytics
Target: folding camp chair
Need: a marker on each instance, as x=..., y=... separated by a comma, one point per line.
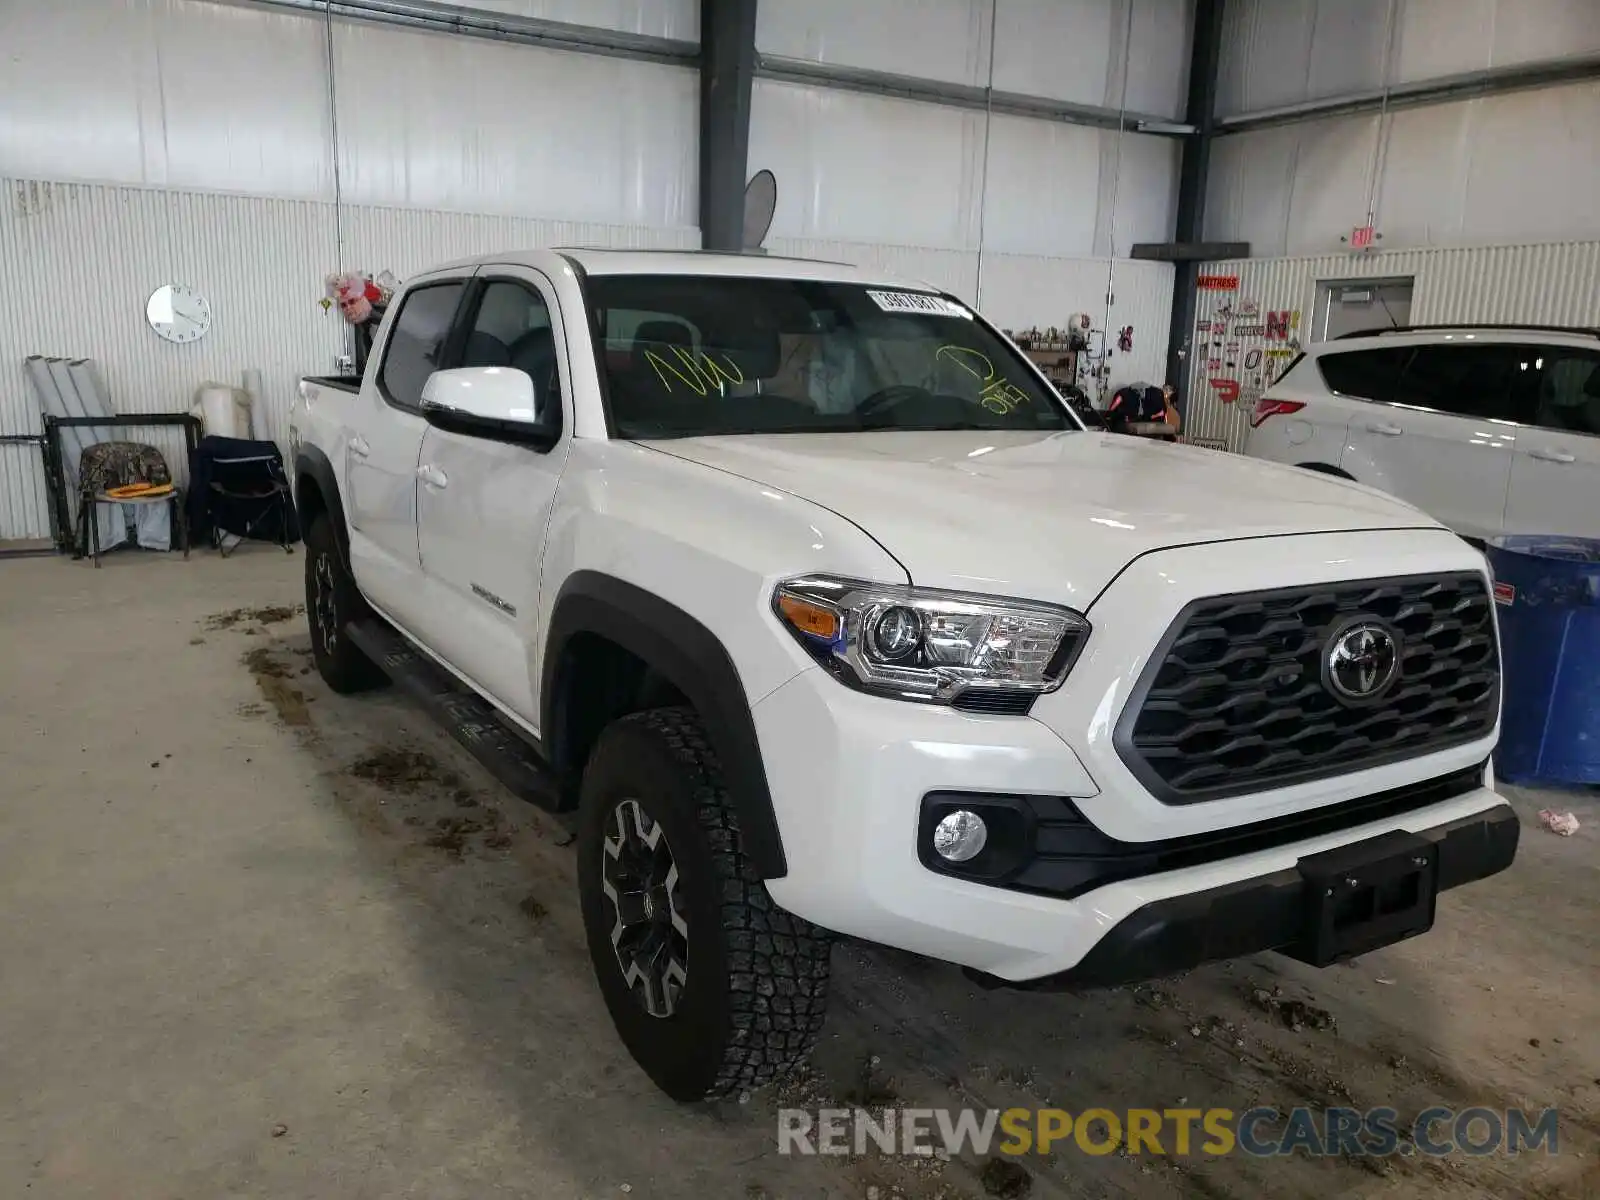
x=125, y=473
x=238, y=486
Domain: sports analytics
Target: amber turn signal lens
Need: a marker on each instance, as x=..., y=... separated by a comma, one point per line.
x=811, y=619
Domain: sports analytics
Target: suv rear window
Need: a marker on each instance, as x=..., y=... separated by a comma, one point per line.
x=1365, y=374
x=1491, y=382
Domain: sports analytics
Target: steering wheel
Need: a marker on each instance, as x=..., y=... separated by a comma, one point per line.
x=892, y=396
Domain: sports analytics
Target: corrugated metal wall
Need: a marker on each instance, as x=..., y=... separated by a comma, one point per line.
x=1554, y=283
x=78, y=261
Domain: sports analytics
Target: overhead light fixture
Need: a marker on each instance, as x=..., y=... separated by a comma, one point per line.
x=1163, y=127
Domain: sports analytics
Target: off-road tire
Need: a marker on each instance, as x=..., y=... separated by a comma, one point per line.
x=332, y=602
x=755, y=990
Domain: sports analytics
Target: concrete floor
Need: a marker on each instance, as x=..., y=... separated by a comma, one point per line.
x=262, y=941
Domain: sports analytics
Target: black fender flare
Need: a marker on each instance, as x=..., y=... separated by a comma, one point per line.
x=690, y=657
x=311, y=466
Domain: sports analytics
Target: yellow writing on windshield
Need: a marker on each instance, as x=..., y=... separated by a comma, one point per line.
x=701, y=373
x=999, y=396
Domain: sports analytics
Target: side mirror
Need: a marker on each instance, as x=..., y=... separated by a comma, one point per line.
x=498, y=403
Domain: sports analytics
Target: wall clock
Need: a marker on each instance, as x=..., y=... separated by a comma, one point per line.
x=178, y=313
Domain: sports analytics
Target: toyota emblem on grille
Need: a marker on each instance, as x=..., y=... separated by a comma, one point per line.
x=1362, y=661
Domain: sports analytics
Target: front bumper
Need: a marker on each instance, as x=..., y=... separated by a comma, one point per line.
x=848, y=773
x=1265, y=913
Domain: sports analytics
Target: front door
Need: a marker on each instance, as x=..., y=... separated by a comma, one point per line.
x=1445, y=437
x=483, y=506
x=381, y=451
x=1555, y=474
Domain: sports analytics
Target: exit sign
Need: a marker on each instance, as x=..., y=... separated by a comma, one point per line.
x=1361, y=237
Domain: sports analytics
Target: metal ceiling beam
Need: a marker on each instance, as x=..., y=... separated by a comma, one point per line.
x=956, y=95
x=1447, y=89
x=434, y=17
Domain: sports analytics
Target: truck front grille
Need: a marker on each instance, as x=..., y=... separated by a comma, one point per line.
x=1238, y=696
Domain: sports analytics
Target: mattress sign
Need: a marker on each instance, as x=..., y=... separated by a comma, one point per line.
x=918, y=302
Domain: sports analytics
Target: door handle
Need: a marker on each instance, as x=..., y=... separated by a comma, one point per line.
x=1386, y=430
x=432, y=476
x=1557, y=456
x=359, y=447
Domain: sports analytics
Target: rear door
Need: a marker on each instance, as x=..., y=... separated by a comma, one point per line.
x=381, y=451
x=1333, y=391
x=1443, y=437
x=483, y=506
x=1555, y=473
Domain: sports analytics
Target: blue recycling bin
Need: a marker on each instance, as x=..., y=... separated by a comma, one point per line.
x=1547, y=590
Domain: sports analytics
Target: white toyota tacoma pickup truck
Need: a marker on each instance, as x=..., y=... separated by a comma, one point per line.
x=803, y=590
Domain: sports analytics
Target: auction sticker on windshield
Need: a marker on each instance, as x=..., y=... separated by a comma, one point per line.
x=917, y=302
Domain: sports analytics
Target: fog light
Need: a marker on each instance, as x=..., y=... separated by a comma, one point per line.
x=960, y=836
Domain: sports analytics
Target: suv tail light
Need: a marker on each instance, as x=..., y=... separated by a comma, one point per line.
x=1266, y=407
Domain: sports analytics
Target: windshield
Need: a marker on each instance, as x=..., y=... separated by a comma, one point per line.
x=685, y=356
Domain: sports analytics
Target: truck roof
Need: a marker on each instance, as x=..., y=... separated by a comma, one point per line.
x=596, y=261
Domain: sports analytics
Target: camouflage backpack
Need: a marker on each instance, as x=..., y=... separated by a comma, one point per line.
x=107, y=465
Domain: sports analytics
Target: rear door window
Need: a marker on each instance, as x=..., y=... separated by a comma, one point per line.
x=1491, y=382
x=1365, y=374
x=1569, y=391
x=417, y=342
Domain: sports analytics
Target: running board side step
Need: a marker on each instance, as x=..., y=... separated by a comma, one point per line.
x=468, y=718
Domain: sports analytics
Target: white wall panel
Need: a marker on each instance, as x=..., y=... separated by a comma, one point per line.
x=1064, y=49
x=1159, y=79
x=660, y=18
x=867, y=169
x=1555, y=283
x=931, y=39
x=182, y=93
x=1072, y=50
x=484, y=126
x=861, y=168
x=1043, y=195
x=1285, y=51
x=1061, y=49
x=1144, y=185
x=1507, y=168
x=224, y=97
x=260, y=262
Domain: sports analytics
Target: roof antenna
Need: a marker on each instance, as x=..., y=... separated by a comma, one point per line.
x=760, y=203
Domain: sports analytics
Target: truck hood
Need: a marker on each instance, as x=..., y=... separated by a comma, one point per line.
x=1046, y=516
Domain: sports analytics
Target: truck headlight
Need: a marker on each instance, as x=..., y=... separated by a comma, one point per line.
x=921, y=644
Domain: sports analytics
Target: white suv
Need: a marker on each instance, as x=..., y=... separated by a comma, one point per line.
x=1490, y=428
